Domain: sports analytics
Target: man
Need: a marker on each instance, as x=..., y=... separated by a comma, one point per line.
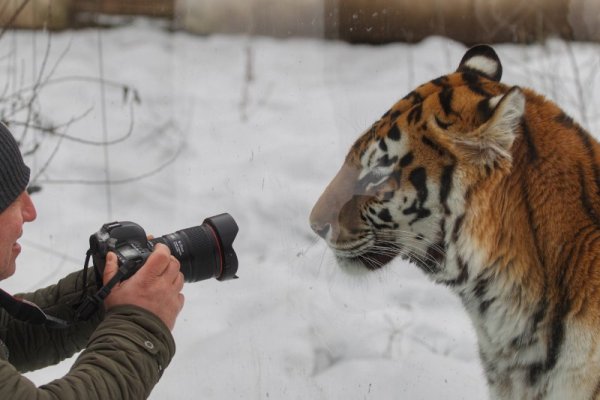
x=127, y=342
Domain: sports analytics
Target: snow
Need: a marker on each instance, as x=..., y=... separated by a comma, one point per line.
x=293, y=326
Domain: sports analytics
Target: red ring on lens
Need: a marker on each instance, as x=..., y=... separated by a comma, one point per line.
x=212, y=230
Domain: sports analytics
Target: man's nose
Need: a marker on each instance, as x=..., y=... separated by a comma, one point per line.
x=28, y=210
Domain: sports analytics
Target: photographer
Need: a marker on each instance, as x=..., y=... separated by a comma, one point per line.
x=127, y=341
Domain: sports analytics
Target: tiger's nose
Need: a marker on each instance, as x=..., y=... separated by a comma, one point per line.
x=321, y=229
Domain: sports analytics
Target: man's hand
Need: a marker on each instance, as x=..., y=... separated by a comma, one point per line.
x=156, y=286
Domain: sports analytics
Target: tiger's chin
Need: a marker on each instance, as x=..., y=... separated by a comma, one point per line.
x=364, y=263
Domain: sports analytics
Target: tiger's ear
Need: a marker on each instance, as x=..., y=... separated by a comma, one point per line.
x=483, y=60
x=490, y=144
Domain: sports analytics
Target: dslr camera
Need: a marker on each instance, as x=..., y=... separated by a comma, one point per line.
x=203, y=251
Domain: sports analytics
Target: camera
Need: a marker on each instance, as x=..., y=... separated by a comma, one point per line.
x=203, y=251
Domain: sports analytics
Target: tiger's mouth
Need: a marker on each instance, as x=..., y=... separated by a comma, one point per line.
x=374, y=259
x=371, y=259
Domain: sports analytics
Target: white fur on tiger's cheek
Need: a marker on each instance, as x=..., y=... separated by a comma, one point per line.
x=483, y=64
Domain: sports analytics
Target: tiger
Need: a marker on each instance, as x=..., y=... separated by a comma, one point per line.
x=493, y=191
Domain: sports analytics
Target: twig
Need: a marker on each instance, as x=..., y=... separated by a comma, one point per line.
x=37, y=85
x=578, y=85
x=8, y=25
x=108, y=189
x=121, y=181
x=248, y=78
x=52, y=131
x=76, y=78
x=44, y=167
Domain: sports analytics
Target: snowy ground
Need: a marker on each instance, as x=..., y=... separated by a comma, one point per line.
x=293, y=326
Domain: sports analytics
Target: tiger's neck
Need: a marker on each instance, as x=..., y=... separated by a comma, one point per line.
x=526, y=244
x=531, y=232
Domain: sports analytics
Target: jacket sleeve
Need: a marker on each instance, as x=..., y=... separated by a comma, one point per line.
x=34, y=346
x=127, y=349
x=124, y=360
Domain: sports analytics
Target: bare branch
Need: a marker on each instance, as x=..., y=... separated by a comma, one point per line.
x=120, y=181
x=21, y=108
x=52, y=130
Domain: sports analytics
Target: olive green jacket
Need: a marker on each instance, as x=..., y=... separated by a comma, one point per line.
x=126, y=349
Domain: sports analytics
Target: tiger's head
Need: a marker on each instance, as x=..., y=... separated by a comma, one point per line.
x=403, y=187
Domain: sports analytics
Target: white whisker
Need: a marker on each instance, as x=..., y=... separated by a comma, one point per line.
x=425, y=260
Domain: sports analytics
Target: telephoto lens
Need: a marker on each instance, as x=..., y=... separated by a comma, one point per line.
x=205, y=251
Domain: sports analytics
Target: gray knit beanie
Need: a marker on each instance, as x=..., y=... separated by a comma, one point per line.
x=14, y=174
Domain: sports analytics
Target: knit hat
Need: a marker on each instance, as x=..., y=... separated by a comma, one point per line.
x=14, y=174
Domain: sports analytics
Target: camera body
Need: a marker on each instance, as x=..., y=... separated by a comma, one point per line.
x=127, y=240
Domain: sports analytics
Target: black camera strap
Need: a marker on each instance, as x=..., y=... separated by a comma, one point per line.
x=29, y=312
x=92, y=302
x=26, y=311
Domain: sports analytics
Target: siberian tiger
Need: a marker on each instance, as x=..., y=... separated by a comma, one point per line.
x=493, y=191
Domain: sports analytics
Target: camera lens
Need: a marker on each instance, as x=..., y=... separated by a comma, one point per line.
x=205, y=251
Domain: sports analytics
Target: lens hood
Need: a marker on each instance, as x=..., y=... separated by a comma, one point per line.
x=225, y=229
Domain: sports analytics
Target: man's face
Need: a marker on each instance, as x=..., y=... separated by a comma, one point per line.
x=11, y=228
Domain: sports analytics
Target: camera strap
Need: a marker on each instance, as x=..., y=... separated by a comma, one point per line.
x=92, y=302
x=29, y=312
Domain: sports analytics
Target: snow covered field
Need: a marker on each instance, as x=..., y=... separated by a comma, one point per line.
x=255, y=127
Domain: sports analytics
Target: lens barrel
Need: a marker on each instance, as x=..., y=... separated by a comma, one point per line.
x=205, y=251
